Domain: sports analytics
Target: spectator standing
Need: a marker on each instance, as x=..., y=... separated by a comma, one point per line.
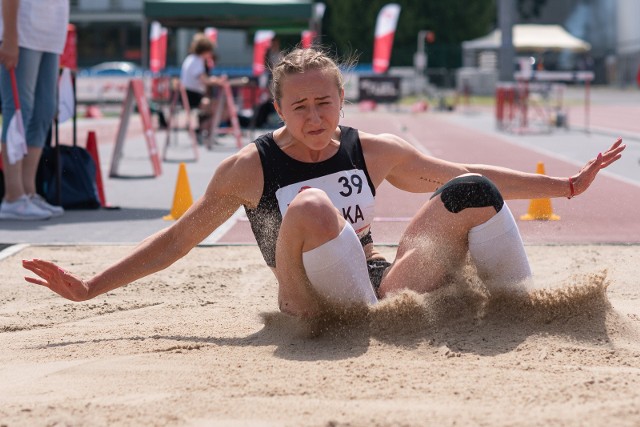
x=33, y=37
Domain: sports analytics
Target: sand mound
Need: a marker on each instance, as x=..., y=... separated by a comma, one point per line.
x=578, y=306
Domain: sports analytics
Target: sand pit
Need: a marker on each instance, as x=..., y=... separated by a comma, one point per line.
x=202, y=344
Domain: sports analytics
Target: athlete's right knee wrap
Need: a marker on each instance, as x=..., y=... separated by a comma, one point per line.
x=337, y=270
x=469, y=191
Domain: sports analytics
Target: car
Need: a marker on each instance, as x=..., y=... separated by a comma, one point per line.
x=114, y=68
x=107, y=82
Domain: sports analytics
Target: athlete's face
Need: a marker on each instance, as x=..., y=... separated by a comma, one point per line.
x=310, y=107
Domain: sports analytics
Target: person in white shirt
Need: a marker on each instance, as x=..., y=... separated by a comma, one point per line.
x=33, y=35
x=198, y=83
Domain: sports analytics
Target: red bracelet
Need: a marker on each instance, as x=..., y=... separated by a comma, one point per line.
x=571, y=189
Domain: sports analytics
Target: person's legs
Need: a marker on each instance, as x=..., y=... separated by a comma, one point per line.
x=338, y=271
x=196, y=102
x=497, y=250
x=13, y=187
x=433, y=245
x=26, y=76
x=205, y=117
x=38, y=128
x=43, y=112
x=467, y=213
x=315, y=237
x=20, y=177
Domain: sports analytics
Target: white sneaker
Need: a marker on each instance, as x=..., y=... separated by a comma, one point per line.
x=22, y=210
x=40, y=202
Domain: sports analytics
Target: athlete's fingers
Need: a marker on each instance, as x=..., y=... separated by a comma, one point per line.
x=35, y=269
x=42, y=268
x=616, y=149
x=616, y=144
x=607, y=162
x=612, y=154
x=36, y=281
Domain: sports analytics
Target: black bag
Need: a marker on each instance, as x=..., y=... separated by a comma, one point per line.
x=67, y=174
x=77, y=187
x=1, y=184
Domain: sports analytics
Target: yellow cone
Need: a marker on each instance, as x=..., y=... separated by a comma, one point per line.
x=182, y=199
x=540, y=209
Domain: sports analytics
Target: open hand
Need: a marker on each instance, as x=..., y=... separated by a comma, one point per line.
x=583, y=179
x=58, y=280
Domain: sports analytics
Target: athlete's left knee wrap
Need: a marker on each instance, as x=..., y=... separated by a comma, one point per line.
x=469, y=191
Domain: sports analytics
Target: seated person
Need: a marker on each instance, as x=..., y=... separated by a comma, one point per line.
x=199, y=85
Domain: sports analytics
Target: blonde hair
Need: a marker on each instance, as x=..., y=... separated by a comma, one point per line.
x=299, y=61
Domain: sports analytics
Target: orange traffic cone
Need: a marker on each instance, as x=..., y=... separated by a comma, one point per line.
x=182, y=199
x=92, y=148
x=540, y=209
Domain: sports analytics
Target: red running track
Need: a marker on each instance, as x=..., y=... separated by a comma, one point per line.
x=607, y=213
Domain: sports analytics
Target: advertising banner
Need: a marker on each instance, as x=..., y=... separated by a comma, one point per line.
x=383, y=42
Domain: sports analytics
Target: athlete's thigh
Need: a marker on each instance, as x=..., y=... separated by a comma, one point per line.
x=434, y=244
x=26, y=78
x=44, y=107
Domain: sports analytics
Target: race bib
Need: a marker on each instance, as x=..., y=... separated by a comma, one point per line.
x=349, y=192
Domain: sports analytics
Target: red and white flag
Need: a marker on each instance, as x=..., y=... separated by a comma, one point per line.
x=164, y=35
x=261, y=43
x=69, y=56
x=66, y=103
x=16, y=139
x=307, y=38
x=157, y=47
x=385, y=30
x=212, y=34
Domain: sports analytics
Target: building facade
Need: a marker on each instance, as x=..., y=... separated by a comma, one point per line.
x=112, y=30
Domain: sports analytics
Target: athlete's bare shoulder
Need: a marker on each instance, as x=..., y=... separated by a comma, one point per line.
x=382, y=152
x=240, y=175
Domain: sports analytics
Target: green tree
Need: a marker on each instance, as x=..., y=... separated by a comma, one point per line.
x=528, y=9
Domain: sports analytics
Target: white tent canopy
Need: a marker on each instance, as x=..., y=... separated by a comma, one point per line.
x=531, y=37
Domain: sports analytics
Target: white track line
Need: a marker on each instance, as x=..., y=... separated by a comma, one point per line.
x=569, y=160
x=12, y=250
x=224, y=228
x=509, y=139
x=404, y=133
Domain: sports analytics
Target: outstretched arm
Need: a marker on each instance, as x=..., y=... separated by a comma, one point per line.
x=155, y=253
x=521, y=185
x=222, y=198
x=390, y=157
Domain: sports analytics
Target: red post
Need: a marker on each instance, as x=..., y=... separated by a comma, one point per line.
x=587, y=103
x=500, y=106
x=92, y=148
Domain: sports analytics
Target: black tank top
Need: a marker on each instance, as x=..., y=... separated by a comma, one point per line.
x=344, y=177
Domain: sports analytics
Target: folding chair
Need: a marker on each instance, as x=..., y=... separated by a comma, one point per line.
x=179, y=103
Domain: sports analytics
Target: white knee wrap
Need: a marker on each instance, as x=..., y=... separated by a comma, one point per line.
x=338, y=271
x=497, y=250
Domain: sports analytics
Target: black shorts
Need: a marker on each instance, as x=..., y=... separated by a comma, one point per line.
x=377, y=267
x=194, y=98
